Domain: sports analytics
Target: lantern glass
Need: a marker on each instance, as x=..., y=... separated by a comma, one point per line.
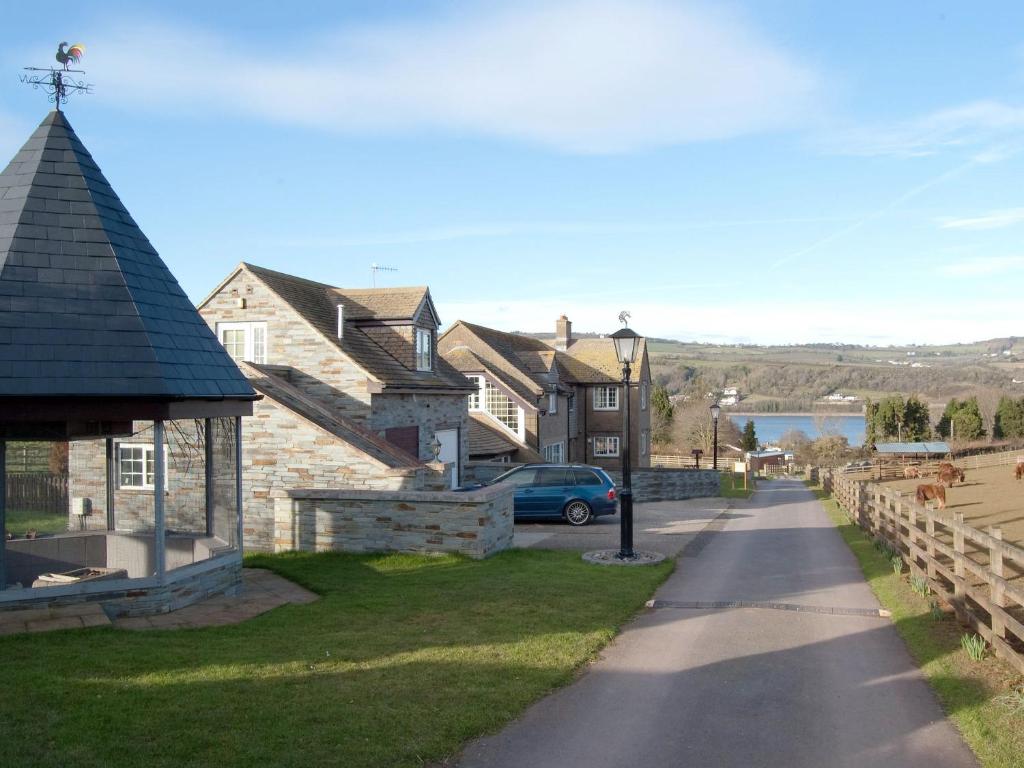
x=715, y=410
x=626, y=344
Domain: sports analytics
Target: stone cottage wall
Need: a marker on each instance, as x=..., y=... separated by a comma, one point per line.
x=429, y=412
x=663, y=484
x=319, y=368
x=477, y=523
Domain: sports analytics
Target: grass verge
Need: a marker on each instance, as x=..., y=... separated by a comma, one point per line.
x=978, y=696
x=401, y=661
x=19, y=522
x=732, y=486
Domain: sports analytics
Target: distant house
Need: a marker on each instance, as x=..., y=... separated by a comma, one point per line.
x=560, y=402
x=354, y=393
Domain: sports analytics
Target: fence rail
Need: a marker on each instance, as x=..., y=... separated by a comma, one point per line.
x=893, y=469
x=682, y=461
x=37, y=492
x=976, y=573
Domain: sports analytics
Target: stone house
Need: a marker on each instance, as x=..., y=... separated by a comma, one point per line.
x=560, y=401
x=354, y=394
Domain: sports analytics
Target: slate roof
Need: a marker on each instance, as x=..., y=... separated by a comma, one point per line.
x=521, y=360
x=934, y=448
x=466, y=361
x=318, y=304
x=593, y=361
x=288, y=396
x=87, y=307
x=485, y=439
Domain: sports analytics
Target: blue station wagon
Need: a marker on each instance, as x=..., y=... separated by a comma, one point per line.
x=576, y=493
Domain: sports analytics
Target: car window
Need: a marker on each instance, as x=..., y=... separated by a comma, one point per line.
x=522, y=477
x=553, y=476
x=587, y=477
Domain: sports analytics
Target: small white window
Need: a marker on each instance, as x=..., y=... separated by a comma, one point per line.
x=244, y=341
x=554, y=453
x=424, y=339
x=606, y=398
x=135, y=466
x=606, y=446
x=645, y=442
x=643, y=395
x=474, y=397
x=553, y=403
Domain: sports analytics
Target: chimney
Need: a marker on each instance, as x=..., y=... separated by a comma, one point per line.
x=341, y=320
x=563, y=333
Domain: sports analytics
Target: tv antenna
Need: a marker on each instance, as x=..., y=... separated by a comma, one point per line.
x=59, y=82
x=375, y=268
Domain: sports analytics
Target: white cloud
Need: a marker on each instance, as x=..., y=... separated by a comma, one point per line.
x=983, y=265
x=988, y=129
x=578, y=75
x=1007, y=217
x=734, y=321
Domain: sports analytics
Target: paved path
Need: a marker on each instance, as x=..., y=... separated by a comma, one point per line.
x=746, y=686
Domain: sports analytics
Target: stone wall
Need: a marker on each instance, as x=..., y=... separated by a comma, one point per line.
x=663, y=484
x=428, y=412
x=475, y=523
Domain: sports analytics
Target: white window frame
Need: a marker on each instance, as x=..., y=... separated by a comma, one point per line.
x=424, y=349
x=148, y=458
x=609, y=396
x=552, y=403
x=554, y=453
x=476, y=399
x=255, y=351
x=643, y=395
x=607, y=451
x=645, y=442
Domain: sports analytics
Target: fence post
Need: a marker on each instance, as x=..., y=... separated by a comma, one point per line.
x=911, y=533
x=958, y=557
x=998, y=597
x=929, y=529
x=875, y=511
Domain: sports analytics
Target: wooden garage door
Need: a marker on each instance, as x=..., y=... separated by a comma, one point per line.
x=406, y=438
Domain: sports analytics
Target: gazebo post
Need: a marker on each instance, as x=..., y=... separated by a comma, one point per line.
x=3, y=515
x=111, y=480
x=208, y=441
x=160, y=532
x=238, y=483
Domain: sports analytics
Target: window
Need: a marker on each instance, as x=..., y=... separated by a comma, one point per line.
x=553, y=477
x=520, y=478
x=606, y=398
x=606, y=446
x=643, y=395
x=645, y=442
x=501, y=407
x=135, y=466
x=553, y=403
x=474, y=398
x=554, y=453
x=244, y=341
x=587, y=477
x=424, y=339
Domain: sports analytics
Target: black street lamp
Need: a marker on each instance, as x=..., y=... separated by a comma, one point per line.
x=627, y=343
x=715, y=410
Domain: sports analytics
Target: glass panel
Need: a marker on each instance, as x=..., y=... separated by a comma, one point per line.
x=501, y=407
x=552, y=477
x=234, y=342
x=522, y=477
x=259, y=343
x=225, y=514
x=586, y=477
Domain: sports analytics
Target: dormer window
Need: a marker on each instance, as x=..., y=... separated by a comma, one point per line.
x=424, y=353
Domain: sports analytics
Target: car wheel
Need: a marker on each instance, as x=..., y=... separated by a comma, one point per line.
x=578, y=513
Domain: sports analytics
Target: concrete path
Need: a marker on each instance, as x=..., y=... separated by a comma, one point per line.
x=746, y=686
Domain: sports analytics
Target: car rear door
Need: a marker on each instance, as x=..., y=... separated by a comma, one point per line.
x=523, y=480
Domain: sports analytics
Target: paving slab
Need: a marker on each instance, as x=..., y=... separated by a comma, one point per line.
x=752, y=685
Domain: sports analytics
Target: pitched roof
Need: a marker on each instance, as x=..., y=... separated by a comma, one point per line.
x=464, y=360
x=590, y=361
x=328, y=419
x=523, y=360
x=485, y=439
x=318, y=303
x=87, y=307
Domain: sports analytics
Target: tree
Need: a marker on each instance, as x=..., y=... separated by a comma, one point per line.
x=893, y=418
x=692, y=428
x=916, y=420
x=798, y=441
x=962, y=420
x=749, y=440
x=661, y=414
x=1009, y=418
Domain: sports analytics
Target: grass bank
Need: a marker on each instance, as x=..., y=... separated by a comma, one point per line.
x=985, y=698
x=732, y=486
x=401, y=661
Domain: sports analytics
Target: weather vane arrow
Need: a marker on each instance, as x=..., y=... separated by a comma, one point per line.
x=58, y=83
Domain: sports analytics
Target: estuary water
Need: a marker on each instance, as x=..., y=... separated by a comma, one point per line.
x=770, y=427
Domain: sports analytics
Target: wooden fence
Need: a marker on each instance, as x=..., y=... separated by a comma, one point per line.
x=725, y=463
x=37, y=492
x=976, y=573
x=892, y=469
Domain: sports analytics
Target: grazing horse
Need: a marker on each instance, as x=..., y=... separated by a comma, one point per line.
x=910, y=472
x=1019, y=471
x=949, y=474
x=936, y=493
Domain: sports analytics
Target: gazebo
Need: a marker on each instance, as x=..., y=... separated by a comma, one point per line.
x=99, y=346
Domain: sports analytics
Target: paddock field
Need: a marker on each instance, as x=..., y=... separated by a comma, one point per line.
x=989, y=497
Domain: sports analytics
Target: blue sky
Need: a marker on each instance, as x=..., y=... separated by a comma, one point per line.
x=778, y=171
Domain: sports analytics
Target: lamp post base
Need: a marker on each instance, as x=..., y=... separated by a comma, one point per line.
x=613, y=557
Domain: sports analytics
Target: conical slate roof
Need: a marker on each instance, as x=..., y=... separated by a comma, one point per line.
x=87, y=307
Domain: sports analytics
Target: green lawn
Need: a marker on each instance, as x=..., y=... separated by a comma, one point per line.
x=401, y=661
x=732, y=486
x=984, y=699
x=19, y=522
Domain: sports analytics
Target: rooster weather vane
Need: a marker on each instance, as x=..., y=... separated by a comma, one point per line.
x=60, y=82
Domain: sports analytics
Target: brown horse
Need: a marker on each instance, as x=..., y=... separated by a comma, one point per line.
x=1019, y=471
x=936, y=493
x=911, y=472
x=949, y=474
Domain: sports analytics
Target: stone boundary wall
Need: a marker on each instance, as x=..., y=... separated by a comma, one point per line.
x=485, y=471
x=474, y=523
x=664, y=484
